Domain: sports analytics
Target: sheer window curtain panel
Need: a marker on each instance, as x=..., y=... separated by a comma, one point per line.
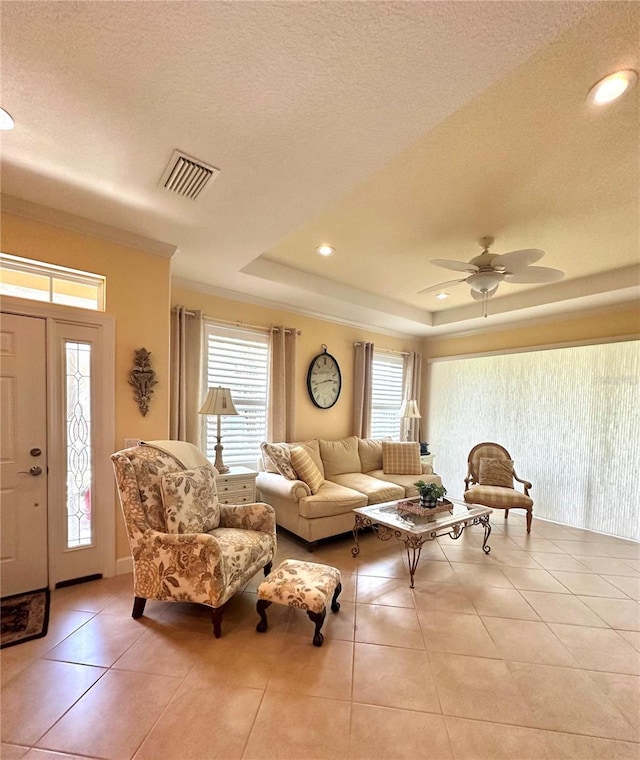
x=282, y=384
x=412, y=383
x=363, y=367
x=186, y=393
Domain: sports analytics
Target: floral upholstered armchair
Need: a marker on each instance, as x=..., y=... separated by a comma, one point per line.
x=187, y=547
x=490, y=479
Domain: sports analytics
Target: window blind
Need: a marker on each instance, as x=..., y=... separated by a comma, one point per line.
x=386, y=395
x=238, y=359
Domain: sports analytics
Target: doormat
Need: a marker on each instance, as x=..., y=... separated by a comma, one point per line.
x=24, y=617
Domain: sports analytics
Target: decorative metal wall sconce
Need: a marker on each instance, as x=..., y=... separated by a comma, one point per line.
x=143, y=378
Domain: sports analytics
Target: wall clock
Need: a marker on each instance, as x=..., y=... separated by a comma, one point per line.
x=324, y=380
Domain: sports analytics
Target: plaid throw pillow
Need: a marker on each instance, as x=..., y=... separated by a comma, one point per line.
x=401, y=458
x=306, y=469
x=190, y=500
x=496, y=472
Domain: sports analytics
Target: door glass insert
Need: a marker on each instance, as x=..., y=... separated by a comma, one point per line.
x=78, y=442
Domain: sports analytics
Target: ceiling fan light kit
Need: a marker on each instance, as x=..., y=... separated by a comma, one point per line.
x=487, y=270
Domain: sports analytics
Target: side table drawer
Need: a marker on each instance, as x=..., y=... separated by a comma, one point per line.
x=239, y=488
x=233, y=498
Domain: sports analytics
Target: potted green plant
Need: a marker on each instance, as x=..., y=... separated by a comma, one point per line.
x=429, y=493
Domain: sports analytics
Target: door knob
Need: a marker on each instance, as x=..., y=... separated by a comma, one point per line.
x=35, y=471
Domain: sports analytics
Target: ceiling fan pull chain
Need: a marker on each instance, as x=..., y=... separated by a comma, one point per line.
x=485, y=300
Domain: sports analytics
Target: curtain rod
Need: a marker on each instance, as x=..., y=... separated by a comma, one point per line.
x=238, y=323
x=384, y=350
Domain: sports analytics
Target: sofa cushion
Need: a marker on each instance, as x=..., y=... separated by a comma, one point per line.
x=376, y=491
x=496, y=472
x=401, y=458
x=190, y=500
x=331, y=499
x=306, y=469
x=312, y=447
x=370, y=452
x=340, y=456
x=406, y=481
x=276, y=457
x=495, y=496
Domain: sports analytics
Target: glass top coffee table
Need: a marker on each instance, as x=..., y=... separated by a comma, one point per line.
x=403, y=521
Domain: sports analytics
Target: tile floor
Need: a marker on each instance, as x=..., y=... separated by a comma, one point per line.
x=530, y=652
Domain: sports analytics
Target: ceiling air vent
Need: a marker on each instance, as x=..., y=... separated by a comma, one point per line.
x=187, y=176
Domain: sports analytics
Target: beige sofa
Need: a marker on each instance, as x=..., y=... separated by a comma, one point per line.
x=355, y=472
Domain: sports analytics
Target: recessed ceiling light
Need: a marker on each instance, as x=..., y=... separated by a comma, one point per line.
x=612, y=87
x=325, y=250
x=442, y=296
x=6, y=121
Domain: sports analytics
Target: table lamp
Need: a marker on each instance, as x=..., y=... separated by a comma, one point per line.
x=219, y=402
x=409, y=411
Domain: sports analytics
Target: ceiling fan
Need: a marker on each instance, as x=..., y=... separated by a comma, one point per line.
x=487, y=270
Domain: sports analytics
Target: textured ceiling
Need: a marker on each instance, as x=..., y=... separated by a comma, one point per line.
x=397, y=132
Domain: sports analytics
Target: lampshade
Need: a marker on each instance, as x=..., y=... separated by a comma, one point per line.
x=218, y=401
x=409, y=409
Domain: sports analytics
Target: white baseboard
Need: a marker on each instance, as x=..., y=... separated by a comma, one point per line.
x=124, y=565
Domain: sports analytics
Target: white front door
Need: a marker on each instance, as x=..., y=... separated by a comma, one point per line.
x=23, y=455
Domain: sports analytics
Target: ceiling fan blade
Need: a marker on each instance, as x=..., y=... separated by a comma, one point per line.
x=441, y=285
x=478, y=296
x=517, y=259
x=457, y=266
x=535, y=274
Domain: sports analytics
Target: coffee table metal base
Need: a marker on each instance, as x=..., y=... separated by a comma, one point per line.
x=413, y=543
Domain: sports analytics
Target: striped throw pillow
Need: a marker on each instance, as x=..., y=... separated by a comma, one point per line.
x=306, y=468
x=401, y=458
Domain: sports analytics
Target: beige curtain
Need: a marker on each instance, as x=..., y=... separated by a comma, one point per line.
x=363, y=367
x=282, y=384
x=186, y=393
x=412, y=384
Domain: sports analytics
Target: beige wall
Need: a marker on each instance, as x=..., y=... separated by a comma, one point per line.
x=138, y=287
x=311, y=422
x=599, y=325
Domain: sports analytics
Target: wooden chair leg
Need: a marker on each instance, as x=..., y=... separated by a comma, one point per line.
x=318, y=619
x=138, y=606
x=529, y=518
x=216, y=619
x=261, y=606
x=506, y=514
x=335, y=604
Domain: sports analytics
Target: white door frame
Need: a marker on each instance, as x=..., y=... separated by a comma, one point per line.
x=56, y=317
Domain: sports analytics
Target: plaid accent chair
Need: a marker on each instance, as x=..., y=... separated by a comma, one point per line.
x=490, y=479
x=176, y=559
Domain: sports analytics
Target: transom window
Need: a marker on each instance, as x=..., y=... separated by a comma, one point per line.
x=26, y=278
x=386, y=394
x=238, y=359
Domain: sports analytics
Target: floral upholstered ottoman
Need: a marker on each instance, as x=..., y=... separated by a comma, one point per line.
x=306, y=585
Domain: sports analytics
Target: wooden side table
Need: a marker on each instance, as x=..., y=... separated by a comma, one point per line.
x=238, y=486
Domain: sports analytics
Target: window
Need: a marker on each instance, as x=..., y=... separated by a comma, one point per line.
x=25, y=278
x=238, y=359
x=78, y=441
x=386, y=395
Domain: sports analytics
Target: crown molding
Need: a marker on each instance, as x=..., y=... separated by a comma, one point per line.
x=47, y=215
x=234, y=295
